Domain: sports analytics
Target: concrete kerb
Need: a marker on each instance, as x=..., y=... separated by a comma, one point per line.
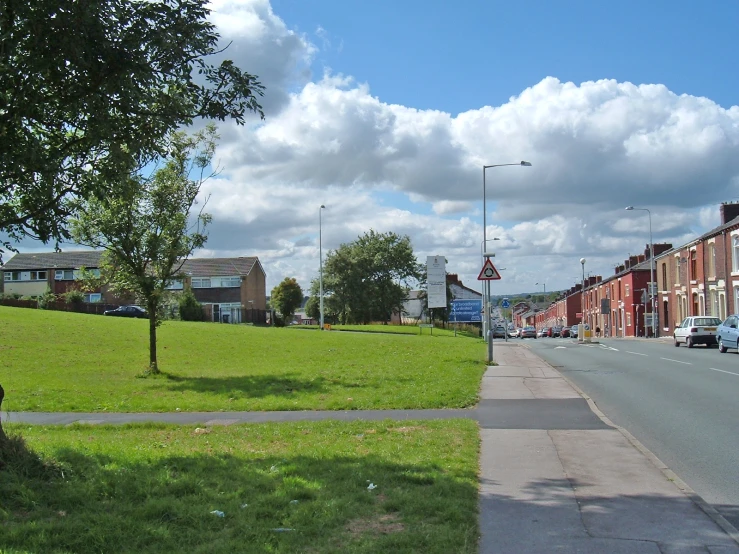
x=670, y=475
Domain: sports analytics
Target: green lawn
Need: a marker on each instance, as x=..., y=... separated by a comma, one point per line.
x=282, y=488
x=56, y=361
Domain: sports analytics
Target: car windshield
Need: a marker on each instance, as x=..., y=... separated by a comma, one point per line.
x=704, y=321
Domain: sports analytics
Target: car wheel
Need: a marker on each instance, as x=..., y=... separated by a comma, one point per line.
x=688, y=342
x=676, y=343
x=721, y=347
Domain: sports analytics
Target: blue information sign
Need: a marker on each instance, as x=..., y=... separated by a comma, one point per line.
x=466, y=311
x=505, y=304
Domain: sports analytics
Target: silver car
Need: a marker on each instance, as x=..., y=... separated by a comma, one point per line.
x=696, y=330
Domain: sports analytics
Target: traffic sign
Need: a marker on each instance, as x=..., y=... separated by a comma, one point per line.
x=505, y=304
x=488, y=273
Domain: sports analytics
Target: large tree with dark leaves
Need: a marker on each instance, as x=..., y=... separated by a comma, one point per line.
x=89, y=91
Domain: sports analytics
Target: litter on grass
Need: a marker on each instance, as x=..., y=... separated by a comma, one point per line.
x=371, y=487
x=218, y=513
x=282, y=529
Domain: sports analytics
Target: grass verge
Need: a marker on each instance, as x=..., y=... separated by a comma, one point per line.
x=67, y=362
x=282, y=488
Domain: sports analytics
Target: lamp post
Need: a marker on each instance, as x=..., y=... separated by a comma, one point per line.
x=320, y=272
x=581, y=333
x=485, y=235
x=651, y=294
x=544, y=285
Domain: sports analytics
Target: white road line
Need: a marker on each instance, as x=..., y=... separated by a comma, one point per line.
x=635, y=353
x=676, y=361
x=724, y=371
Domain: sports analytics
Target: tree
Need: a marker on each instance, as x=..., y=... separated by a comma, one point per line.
x=287, y=297
x=367, y=280
x=90, y=91
x=190, y=308
x=146, y=226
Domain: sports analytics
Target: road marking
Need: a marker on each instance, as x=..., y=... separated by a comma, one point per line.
x=724, y=371
x=635, y=353
x=676, y=361
x=556, y=347
x=606, y=347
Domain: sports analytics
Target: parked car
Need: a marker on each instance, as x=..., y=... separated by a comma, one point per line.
x=573, y=332
x=696, y=330
x=556, y=331
x=565, y=332
x=544, y=332
x=513, y=332
x=528, y=332
x=499, y=332
x=727, y=334
x=128, y=311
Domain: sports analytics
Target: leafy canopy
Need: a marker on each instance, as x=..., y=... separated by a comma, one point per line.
x=287, y=297
x=90, y=91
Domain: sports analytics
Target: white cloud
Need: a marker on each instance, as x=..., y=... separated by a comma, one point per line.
x=595, y=147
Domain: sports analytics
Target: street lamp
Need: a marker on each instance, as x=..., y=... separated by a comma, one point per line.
x=320, y=273
x=652, y=283
x=486, y=299
x=544, y=285
x=582, y=301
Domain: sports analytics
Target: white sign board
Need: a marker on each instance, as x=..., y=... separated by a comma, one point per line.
x=436, y=281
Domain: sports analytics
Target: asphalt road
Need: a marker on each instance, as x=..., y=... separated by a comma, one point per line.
x=682, y=404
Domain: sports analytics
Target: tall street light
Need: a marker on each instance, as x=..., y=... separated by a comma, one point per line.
x=651, y=292
x=320, y=261
x=486, y=299
x=544, y=285
x=581, y=335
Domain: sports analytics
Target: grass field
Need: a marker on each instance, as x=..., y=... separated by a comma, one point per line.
x=282, y=488
x=57, y=361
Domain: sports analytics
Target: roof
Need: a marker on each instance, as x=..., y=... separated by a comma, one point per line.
x=196, y=267
x=50, y=260
x=208, y=267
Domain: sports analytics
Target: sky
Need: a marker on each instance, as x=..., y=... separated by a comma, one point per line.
x=385, y=112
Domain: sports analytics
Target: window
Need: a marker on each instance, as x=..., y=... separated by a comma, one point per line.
x=626, y=288
x=712, y=308
x=677, y=270
x=201, y=282
x=93, y=297
x=628, y=319
x=721, y=305
x=736, y=299
x=693, y=265
x=664, y=276
x=712, y=261
x=64, y=275
x=12, y=275
x=230, y=281
x=38, y=276
x=735, y=253
x=175, y=284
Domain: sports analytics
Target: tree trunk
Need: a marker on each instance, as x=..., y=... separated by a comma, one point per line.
x=153, y=367
x=3, y=438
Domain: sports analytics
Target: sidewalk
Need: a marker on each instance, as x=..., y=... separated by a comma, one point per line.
x=555, y=474
x=547, y=488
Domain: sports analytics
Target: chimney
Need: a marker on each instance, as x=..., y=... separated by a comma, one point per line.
x=642, y=258
x=633, y=260
x=729, y=210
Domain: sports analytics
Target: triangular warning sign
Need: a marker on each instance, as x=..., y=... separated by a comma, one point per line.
x=488, y=273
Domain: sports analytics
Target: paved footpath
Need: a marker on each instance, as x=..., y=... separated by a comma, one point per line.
x=555, y=474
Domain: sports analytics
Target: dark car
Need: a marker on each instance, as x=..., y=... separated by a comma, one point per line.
x=128, y=311
x=565, y=332
x=527, y=332
x=499, y=332
x=556, y=330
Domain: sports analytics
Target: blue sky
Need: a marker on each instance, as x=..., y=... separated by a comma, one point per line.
x=384, y=112
x=457, y=56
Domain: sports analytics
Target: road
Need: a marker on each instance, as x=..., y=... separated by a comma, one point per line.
x=682, y=404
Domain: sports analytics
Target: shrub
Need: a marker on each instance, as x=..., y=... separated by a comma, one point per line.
x=74, y=296
x=45, y=299
x=190, y=308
